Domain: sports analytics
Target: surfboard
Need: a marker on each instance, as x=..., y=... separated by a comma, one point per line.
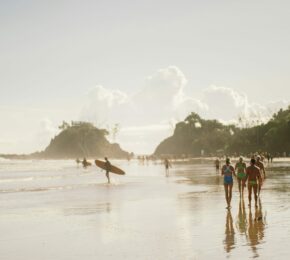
x=113, y=169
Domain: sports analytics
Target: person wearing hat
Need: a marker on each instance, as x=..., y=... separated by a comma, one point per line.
x=227, y=172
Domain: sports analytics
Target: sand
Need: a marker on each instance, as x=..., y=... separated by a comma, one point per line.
x=56, y=210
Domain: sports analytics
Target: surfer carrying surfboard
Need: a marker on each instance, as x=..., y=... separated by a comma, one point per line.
x=107, y=168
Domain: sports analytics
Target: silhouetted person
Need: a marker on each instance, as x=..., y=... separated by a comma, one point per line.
x=108, y=168
x=167, y=164
x=254, y=179
x=217, y=164
x=85, y=163
x=78, y=161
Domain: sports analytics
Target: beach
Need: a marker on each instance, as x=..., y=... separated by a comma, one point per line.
x=57, y=210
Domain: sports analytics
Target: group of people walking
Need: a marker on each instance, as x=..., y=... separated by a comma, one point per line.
x=252, y=176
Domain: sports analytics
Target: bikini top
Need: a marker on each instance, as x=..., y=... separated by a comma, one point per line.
x=227, y=170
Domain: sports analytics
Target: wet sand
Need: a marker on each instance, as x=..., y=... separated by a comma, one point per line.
x=56, y=210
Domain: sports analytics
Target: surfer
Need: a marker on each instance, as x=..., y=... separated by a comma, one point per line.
x=167, y=164
x=241, y=175
x=253, y=176
x=108, y=168
x=228, y=171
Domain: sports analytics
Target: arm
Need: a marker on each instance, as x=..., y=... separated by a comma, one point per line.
x=247, y=175
x=259, y=178
x=263, y=168
x=234, y=172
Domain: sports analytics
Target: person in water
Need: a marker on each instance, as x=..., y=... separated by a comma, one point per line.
x=260, y=165
x=241, y=175
x=108, y=169
x=253, y=176
x=85, y=163
x=167, y=164
x=228, y=171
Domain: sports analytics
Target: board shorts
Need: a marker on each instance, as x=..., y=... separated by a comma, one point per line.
x=241, y=175
x=228, y=180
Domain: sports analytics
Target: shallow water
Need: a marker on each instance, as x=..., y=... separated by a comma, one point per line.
x=56, y=210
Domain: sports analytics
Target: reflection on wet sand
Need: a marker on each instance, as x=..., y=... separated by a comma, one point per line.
x=256, y=228
x=229, y=233
x=241, y=223
x=252, y=228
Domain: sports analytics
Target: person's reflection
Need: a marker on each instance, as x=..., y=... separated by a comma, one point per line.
x=242, y=217
x=229, y=233
x=256, y=228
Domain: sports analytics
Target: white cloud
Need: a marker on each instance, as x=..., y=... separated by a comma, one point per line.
x=46, y=131
x=103, y=105
x=149, y=116
x=145, y=118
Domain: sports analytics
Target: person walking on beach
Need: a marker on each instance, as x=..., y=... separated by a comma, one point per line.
x=228, y=171
x=253, y=176
x=167, y=164
x=217, y=165
x=108, y=168
x=241, y=175
x=260, y=165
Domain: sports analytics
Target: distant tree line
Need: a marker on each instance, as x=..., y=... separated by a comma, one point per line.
x=195, y=135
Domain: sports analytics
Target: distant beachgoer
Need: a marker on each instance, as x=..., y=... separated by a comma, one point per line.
x=167, y=164
x=241, y=175
x=253, y=176
x=108, y=168
x=78, y=161
x=217, y=164
x=228, y=171
x=85, y=163
x=268, y=157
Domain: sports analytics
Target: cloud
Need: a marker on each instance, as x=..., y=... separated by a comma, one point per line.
x=224, y=103
x=46, y=131
x=228, y=105
x=149, y=115
x=103, y=106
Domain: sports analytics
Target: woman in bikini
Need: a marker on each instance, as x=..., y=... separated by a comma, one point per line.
x=241, y=175
x=228, y=171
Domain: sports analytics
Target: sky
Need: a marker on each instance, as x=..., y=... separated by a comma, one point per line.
x=143, y=65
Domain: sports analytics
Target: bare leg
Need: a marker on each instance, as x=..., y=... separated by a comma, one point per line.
x=230, y=194
x=108, y=177
x=243, y=186
x=239, y=182
x=255, y=188
x=226, y=193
